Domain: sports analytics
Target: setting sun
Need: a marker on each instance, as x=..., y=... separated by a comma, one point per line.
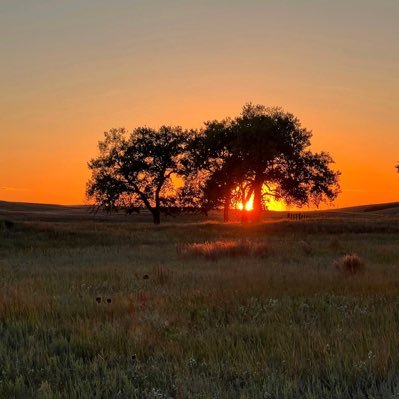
x=271, y=204
x=249, y=205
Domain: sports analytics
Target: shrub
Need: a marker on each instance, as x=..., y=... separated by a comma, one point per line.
x=350, y=264
x=220, y=249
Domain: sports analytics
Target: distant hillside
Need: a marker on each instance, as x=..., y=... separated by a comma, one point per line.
x=21, y=211
x=30, y=211
x=49, y=212
x=392, y=207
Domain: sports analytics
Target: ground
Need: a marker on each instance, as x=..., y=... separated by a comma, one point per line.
x=112, y=307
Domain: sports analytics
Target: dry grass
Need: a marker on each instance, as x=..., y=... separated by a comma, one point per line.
x=221, y=249
x=306, y=247
x=334, y=244
x=179, y=326
x=350, y=264
x=161, y=274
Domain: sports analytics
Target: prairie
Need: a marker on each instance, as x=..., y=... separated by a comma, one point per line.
x=110, y=306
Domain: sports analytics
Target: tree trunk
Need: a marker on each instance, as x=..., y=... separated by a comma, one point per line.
x=156, y=215
x=156, y=212
x=257, y=212
x=226, y=208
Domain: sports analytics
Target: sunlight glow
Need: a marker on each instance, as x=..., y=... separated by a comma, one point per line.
x=271, y=204
x=249, y=206
x=274, y=205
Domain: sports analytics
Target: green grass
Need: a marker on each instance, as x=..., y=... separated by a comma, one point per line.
x=283, y=325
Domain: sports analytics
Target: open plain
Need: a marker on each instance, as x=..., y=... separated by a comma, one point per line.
x=112, y=306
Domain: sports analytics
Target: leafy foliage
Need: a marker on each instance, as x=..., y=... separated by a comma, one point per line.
x=263, y=152
x=136, y=170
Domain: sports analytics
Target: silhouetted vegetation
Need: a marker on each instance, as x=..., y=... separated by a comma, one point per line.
x=262, y=153
x=136, y=170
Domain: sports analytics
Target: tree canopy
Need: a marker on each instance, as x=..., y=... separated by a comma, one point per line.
x=135, y=170
x=262, y=153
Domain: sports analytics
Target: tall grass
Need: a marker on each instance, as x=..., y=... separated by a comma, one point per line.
x=220, y=249
x=285, y=325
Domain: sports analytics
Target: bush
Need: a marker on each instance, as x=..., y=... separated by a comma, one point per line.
x=350, y=264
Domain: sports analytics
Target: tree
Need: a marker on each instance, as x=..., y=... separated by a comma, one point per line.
x=213, y=169
x=268, y=155
x=275, y=151
x=397, y=167
x=136, y=170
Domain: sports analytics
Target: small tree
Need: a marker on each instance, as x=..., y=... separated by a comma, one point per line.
x=397, y=167
x=135, y=170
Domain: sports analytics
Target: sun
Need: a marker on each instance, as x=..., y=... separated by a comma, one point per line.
x=249, y=205
x=271, y=204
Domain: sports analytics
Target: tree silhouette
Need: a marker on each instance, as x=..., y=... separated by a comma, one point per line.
x=264, y=152
x=274, y=149
x=213, y=168
x=135, y=170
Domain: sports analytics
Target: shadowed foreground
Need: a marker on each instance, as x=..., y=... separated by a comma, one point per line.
x=117, y=310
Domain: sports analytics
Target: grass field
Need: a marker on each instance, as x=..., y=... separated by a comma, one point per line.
x=123, y=310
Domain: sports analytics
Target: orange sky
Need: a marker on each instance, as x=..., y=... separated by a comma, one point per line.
x=71, y=70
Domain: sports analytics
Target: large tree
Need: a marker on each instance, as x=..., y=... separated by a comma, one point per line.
x=267, y=155
x=213, y=172
x=275, y=150
x=136, y=170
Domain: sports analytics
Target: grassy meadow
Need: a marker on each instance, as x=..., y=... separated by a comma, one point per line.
x=111, y=309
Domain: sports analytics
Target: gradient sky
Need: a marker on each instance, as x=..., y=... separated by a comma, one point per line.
x=72, y=69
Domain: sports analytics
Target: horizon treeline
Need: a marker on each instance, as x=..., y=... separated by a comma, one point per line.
x=260, y=154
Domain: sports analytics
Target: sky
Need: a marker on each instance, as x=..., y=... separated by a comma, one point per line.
x=71, y=70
